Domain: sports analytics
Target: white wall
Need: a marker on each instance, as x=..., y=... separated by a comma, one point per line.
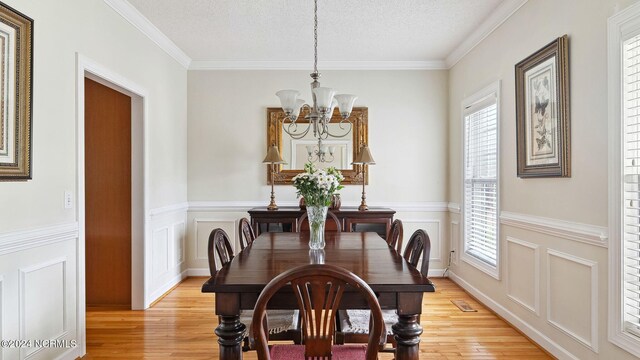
x=228, y=140
x=553, y=262
x=228, y=124
x=38, y=237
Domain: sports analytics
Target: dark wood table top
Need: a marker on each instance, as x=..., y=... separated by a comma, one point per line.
x=364, y=253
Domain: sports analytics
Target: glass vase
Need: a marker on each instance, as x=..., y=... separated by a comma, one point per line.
x=317, y=216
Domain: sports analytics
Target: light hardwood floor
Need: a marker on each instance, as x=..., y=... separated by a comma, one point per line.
x=181, y=325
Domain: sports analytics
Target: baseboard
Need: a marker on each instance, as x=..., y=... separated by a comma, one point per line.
x=161, y=291
x=198, y=272
x=436, y=273
x=70, y=354
x=534, y=334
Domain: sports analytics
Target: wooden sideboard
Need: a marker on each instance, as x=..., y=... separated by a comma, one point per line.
x=352, y=220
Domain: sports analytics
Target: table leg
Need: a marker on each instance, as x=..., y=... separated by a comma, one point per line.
x=230, y=334
x=407, y=333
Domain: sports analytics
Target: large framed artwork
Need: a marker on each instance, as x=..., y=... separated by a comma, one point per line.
x=542, y=112
x=16, y=64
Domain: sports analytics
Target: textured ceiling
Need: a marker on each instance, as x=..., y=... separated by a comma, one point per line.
x=349, y=30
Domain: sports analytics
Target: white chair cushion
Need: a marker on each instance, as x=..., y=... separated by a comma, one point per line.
x=277, y=320
x=357, y=321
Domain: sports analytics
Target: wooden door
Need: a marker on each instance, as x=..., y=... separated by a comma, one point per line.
x=108, y=196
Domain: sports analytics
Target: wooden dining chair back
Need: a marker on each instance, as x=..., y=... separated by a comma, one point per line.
x=247, y=235
x=332, y=224
x=219, y=242
x=419, y=246
x=318, y=289
x=394, y=238
x=353, y=325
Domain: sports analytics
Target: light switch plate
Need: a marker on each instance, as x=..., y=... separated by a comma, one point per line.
x=68, y=200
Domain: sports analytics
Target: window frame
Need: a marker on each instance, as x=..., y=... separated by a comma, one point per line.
x=492, y=89
x=620, y=27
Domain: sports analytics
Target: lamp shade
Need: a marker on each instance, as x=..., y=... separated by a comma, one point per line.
x=288, y=100
x=334, y=103
x=324, y=96
x=273, y=156
x=296, y=109
x=345, y=103
x=364, y=157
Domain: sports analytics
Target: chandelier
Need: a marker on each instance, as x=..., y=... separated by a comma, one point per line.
x=320, y=112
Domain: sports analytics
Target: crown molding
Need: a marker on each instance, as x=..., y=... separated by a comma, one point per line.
x=324, y=65
x=140, y=22
x=489, y=25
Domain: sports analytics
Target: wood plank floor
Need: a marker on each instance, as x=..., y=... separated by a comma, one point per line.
x=181, y=326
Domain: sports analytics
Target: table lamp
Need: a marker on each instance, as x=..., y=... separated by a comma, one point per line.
x=273, y=157
x=364, y=158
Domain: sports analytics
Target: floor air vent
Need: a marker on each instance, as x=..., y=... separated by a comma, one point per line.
x=463, y=306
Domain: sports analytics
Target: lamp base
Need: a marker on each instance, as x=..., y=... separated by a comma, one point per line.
x=272, y=206
x=363, y=207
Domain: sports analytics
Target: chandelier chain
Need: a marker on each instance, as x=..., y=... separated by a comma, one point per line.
x=315, y=36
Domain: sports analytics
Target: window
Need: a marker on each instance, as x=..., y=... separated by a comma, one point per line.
x=624, y=179
x=631, y=178
x=480, y=209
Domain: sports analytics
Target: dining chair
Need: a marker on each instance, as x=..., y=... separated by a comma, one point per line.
x=246, y=233
x=318, y=289
x=284, y=323
x=332, y=223
x=394, y=238
x=353, y=324
x=219, y=240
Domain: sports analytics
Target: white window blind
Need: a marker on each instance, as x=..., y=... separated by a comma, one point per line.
x=480, y=181
x=631, y=176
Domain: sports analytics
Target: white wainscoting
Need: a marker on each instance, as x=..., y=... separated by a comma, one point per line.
x=43, y=319
x=160, y=249
x=572, y=308
x=167, y=260
x=523, y=273
x=589, y=234
x=434, y=230
x=204, y=216
x=558, y=305
x=39, y=290
x=1, y=314
x=528, y=329
x=204, y=226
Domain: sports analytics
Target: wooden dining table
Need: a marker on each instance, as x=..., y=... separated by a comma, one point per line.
x=397, y=284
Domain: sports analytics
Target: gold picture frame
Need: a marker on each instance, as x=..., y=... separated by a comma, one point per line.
x=359, y=136
x=16, y=83
x=542, y=112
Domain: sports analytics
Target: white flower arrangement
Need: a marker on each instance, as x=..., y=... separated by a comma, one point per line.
x=317, y=186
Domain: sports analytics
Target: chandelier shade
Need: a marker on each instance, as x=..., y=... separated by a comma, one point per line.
x=345, y=103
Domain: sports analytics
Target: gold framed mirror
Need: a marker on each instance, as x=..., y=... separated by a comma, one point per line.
x=296, y=151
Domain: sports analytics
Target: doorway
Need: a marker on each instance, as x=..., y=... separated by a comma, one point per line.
x=108, y=210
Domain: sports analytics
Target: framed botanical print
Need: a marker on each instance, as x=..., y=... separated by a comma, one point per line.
x=542, y=112
x=16, y=71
